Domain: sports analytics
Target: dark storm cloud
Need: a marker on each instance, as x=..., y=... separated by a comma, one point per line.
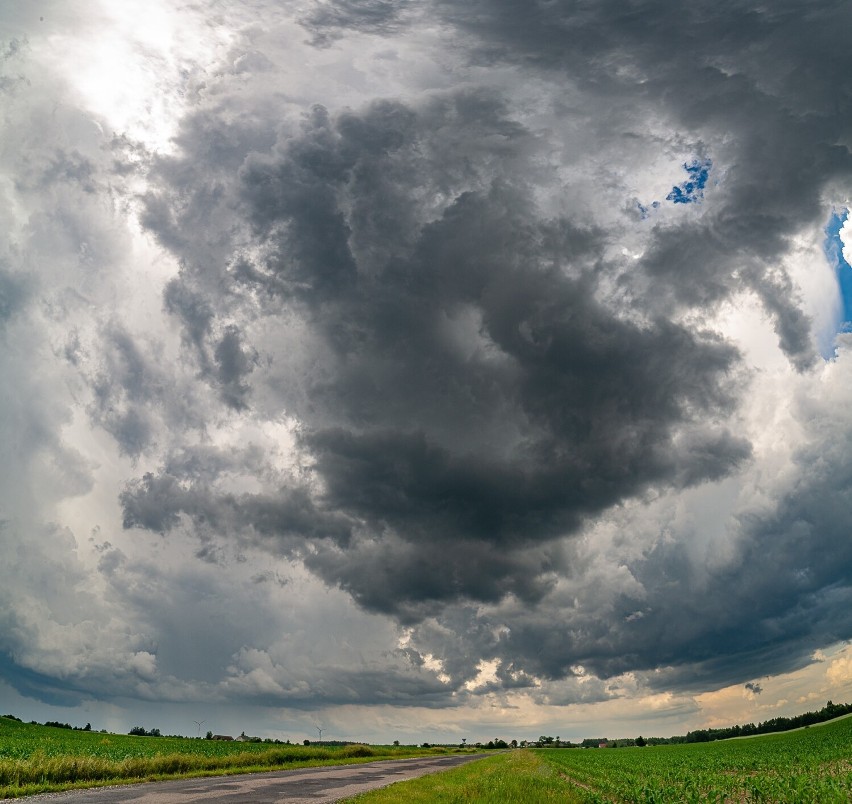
x=196, y=315
x=764, y=79
x=233, y=364
x=46, y=687
x=410, y=579
x=484, y=377
x=784, y=594
x=331, y=20
x=14, y=293
x=156, y=502
x=125, y=386
x=397, y=686
x=789, y=592
x=480, y=395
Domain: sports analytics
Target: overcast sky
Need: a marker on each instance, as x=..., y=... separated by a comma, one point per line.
x=425, y=370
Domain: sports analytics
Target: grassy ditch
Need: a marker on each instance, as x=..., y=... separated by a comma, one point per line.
x=37, y=759
x=515, y=777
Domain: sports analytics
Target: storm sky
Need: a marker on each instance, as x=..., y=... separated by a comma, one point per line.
x=425, y=370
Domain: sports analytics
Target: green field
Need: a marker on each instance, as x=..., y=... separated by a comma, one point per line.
x=40, y=758
x=513, y=777
x=808, y=765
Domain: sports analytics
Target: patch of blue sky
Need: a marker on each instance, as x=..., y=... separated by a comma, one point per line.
x=833, y=248
x=692, y=190
x=689, y=192
x=644, y=211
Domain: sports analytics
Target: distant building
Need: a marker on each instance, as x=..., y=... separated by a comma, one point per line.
x=223, y=737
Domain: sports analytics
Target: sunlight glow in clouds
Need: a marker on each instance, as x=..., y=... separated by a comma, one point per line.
x=136, y=74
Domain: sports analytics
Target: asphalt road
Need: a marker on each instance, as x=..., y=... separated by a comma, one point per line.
x=305, y=786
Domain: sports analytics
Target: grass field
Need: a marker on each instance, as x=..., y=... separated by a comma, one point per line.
x=808, y=765
x=514, y=777
x=40, y=758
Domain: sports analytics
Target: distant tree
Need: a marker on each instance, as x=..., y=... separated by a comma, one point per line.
x=514, y=743
x=396, y=742
x=640, y=741
x=306, y=742
x=209, y=735
x=139, y=731
x=87, y=727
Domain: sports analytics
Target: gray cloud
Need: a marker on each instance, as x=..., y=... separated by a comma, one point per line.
x=692, y=625
x=476, y=389
x=478, y=386
x=13, y=293
x=328, y=21
x=418, y=338
x=715, y=75
x=155, y=503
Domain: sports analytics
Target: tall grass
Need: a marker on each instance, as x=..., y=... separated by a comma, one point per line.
x=42, y=772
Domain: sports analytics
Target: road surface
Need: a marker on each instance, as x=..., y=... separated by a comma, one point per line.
x=304, y=786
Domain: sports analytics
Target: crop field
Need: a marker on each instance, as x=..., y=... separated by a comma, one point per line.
x=22, y=740
x=809, y=765
x=39, y=758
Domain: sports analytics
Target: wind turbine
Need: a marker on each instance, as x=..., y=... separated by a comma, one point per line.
x=199, y=723
x=320, y=731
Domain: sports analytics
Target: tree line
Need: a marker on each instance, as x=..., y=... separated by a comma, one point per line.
x=828, y=712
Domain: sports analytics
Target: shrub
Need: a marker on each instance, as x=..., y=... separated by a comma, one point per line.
x=357, y=751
